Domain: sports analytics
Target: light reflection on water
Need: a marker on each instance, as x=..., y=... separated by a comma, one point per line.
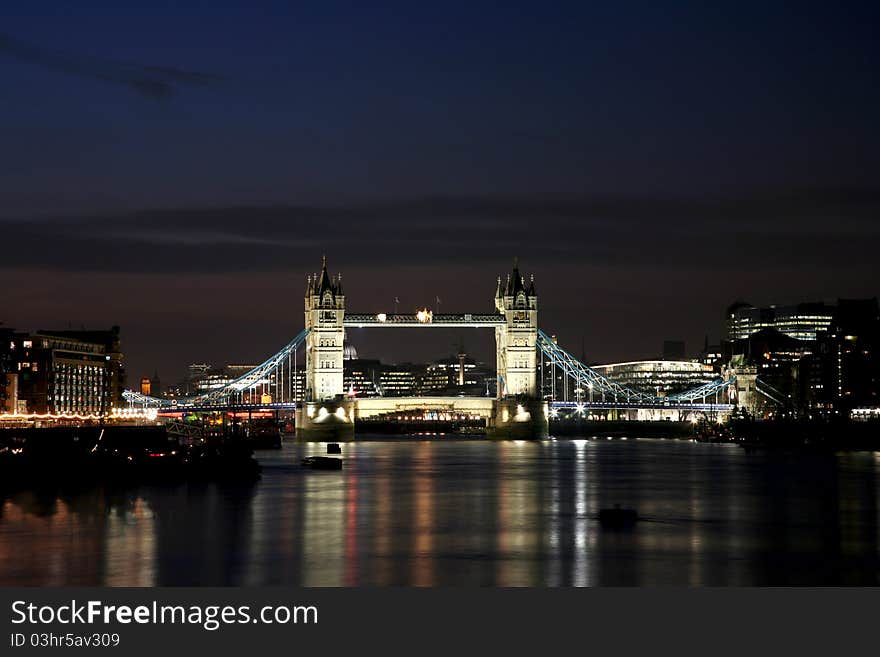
x=475, y=513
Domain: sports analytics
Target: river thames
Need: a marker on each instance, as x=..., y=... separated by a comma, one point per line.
x=447, y=512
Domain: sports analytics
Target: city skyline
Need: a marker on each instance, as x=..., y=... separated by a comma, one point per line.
x=145, y=353
x=650, y=166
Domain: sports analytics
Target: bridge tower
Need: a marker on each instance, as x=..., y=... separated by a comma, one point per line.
x=516, y=355
x=519, y=412
x=325, y=311
x=324, y=414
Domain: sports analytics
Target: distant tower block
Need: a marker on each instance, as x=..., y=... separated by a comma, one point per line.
x=515, y=342
x=325, y=311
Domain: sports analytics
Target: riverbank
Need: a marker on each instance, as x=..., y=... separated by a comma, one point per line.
x=121, y=453
x=834, y=434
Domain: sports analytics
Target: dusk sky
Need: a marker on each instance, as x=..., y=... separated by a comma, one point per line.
x=178, y=169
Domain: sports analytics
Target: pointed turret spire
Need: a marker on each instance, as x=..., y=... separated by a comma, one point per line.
x=498, y=292
x=325, y=283
x=515, y=283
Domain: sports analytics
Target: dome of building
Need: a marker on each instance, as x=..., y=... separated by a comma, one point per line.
x=349, y=352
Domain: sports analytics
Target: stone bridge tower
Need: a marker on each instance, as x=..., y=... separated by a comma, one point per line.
x=325, y=311
x=515, y=342
x=519, y=411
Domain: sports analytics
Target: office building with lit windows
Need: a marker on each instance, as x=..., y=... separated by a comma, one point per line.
x=457, y=375
x=360, y=375
x=804, y=321
x=659, y=377
x=400, y=380
x=68, y=372
x=8, y=375
x=843, y=373
x=816, y=358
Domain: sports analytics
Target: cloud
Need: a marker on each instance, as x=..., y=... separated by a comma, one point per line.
x=154, y=82
x=621, y=274
x=808, y=231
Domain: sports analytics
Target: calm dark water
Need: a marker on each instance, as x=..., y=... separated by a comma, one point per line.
x=468, y=513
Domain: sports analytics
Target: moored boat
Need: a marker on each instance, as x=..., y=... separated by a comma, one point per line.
x=322, y=463
x=618, y=517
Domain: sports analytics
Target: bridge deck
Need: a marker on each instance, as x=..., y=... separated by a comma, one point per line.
x=449, y=320
x=373, y=406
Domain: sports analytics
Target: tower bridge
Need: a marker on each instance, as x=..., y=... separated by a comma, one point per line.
x=536, y=377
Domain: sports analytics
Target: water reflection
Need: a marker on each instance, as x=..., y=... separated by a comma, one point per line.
x=580, y=510
x=130, y=558
x=454, y=513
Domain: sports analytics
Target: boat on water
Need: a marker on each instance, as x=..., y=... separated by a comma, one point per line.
x=618, y=517
x=322, y=463
x=119, y=453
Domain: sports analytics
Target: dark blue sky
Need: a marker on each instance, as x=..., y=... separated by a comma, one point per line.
x=648, y=162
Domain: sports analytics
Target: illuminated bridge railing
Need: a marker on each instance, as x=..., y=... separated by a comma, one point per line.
x=584, y=407
x=703, y=392
x=771, y=393
x=271, y=382
x=449, y=320
x=144, y=401
x=594, y=390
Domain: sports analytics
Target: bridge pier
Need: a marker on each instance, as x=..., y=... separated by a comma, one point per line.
x=325, y=421
x=519, y=420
